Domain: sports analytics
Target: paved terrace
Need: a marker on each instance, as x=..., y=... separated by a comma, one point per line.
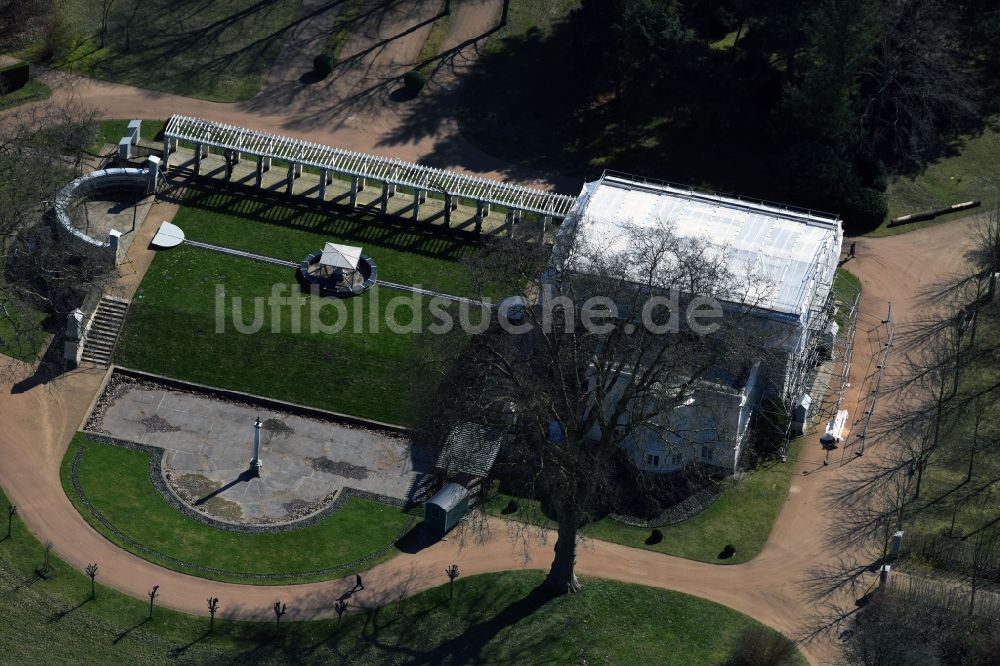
x=207, y=446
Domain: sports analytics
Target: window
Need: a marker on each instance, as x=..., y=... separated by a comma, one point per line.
x=653, y=460
x=677, y=459
x=706, y=452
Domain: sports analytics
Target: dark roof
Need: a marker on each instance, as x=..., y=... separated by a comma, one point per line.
x=449, y=496
x=471, y=448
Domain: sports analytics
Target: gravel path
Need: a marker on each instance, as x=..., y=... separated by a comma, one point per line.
x=40, y=420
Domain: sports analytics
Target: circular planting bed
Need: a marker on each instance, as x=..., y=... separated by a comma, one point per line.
x=337, y=283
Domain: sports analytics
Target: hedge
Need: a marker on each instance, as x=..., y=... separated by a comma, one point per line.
x=14, y=77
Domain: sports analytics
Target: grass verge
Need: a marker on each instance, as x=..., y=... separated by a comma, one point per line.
x=349, y=13
x=970, y=173
x=493, y=617
x=32, y=91
x=111, y=131
x=432, y=45
x=116, y=481
x=742, y=516
x=24, y=347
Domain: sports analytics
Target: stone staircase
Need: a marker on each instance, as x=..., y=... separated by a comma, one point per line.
x=99, y=344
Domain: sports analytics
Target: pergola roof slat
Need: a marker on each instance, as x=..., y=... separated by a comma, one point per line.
x=352, y=163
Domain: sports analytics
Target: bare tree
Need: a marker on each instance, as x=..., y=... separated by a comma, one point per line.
x=153, y=593
x=340, y=606
x=574, y=398
x=11, y=512
x=46, y=565
x=279, y=610
x=915, y=82
x=984, y=557
x=19, y=18
x=42, y=148
x=91, y=571
x=213, y=607
x=105, y=12
x=452, y=572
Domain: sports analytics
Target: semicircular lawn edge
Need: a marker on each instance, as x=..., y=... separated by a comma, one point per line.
x=116, y=482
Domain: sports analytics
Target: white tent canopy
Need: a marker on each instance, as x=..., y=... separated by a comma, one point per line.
x=340, y=256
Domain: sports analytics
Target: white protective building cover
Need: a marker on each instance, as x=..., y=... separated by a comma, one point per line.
x=340, y=256
x=792, y=254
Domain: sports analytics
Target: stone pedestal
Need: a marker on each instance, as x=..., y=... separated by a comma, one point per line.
x=152, y=173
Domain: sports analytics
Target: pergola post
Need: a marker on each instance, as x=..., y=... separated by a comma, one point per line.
x=236, y=157
x=482, y=210
x=448, y=207
x=204, y=149
x=197, y=159
x=512, y=217
x=387, y=191
x=266, y=161
x=290, y=179
x=546, y=221
x=322, y=184
x=166, y=154
x=419, y=196
x=298, y=169
x=356, y=187
x=260, y=171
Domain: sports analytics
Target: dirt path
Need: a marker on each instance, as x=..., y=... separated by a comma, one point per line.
x=40, y=421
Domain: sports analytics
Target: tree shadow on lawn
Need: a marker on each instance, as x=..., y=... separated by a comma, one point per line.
x=465, y=648
x=164, y=43
x=123, y=634
x=63, y=612
x=305, y=214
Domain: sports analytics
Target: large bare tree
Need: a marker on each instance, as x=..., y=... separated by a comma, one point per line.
x=596, y=362
x=42, y=148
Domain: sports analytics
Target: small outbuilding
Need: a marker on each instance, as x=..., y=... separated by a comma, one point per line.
x=443, y=511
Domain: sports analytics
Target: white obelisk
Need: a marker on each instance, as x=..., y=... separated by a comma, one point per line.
x=255, y=462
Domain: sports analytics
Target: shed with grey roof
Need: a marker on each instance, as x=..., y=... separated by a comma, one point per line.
x=443, y=511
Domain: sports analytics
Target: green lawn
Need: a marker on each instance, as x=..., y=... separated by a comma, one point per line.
x=25, y=347
x=219, y=51
x=972, y=173
x=493, y=618
x=846, y=286
x=111, y=131
x=945, y=493
x=171, y=326
x=117, y=483
x=32, y=91
x=742, y=516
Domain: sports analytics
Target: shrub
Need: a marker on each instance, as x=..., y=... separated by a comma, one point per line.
x=759, y=646
x=323, y=65
x=414, y=81
x=512, y=507
x=654, y=538
x=864, y=209
x=727, y=552
x=14, y=77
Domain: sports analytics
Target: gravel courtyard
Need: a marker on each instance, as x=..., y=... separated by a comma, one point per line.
x=207, y=444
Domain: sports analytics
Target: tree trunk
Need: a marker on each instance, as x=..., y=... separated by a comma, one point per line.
x=562, y=575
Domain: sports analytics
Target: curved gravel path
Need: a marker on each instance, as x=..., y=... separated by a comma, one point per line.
x=39, y=420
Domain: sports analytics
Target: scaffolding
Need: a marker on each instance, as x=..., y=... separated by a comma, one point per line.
x=233, y=141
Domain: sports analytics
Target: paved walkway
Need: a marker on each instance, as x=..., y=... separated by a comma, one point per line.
x=40, y=418
x=40, y=421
